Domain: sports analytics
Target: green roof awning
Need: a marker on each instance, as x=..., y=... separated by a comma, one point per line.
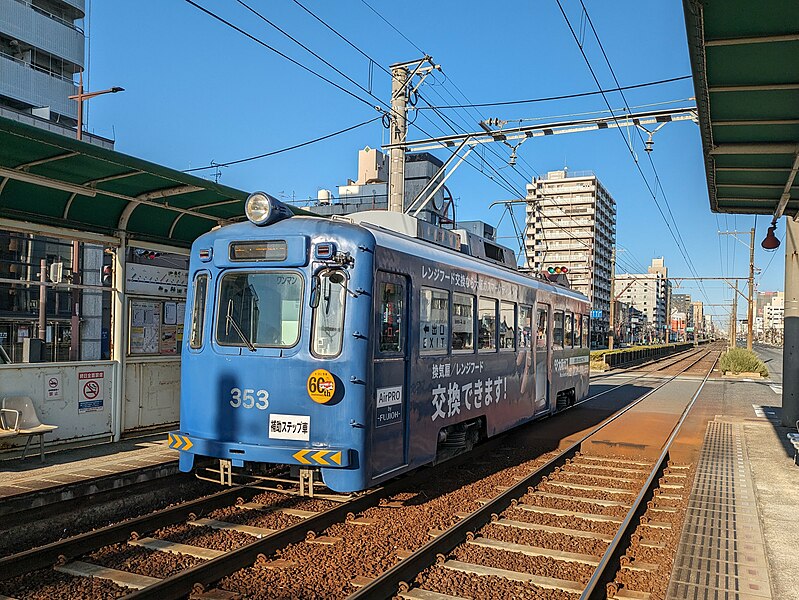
x=50, y=179
x=745, y=63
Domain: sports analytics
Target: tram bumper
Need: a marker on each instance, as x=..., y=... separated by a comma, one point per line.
x=191, y=446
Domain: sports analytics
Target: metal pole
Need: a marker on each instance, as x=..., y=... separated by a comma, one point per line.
x=750, y=311
x=42, y=333
x=118, y=338
x=399, y=131
x=612, y=311
x=74, y=343
x=80, y=106
x=734, y=318
x=790, y=351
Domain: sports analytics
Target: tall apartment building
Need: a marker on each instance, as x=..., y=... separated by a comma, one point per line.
x=571, y=222
x=650, y=293
x=42, y=48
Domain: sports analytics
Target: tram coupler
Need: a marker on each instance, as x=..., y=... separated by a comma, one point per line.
x=306, y=482
x=225, y=471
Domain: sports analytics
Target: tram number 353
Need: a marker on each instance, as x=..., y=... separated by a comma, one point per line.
x=248, y=398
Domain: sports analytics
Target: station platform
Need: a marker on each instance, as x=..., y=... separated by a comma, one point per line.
x=739, y=539
x=74, y=472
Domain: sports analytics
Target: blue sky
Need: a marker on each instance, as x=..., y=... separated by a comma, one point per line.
x=198, y=91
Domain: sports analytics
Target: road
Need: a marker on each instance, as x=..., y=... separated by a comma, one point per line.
x=772, y=356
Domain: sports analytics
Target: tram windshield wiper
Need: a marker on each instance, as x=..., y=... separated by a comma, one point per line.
x=231, y=321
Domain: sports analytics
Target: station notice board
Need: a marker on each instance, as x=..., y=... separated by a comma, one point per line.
x=156, y=327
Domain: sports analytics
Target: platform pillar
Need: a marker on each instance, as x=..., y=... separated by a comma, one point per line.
x=790, y=352
x=119, y=344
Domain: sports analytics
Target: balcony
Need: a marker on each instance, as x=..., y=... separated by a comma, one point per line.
x=35, y=87
x=19, y=20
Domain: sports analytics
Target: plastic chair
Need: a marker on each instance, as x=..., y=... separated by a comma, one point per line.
x=28, y=422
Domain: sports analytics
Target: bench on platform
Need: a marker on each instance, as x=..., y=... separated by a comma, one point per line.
x=794, y=439
x=18, y=417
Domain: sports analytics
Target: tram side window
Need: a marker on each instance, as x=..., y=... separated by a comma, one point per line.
x=525, y=328
x=434, y=321
x=328, y=316
x=557, y=330
x=542, y=327
x=392, y=296
x=586, y=331
x=507, y=326
x=462, y=321
x=487, y=324
x=578, y=331
x=198, y=310
x=568, y=328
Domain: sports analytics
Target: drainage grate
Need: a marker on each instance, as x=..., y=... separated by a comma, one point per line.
x=721, y=554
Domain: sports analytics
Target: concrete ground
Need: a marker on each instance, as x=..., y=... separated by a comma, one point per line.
x=776, y=479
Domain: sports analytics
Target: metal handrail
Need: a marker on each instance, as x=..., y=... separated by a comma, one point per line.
x=50, y=15
x=36, y=67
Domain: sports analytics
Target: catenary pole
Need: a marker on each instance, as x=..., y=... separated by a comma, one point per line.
x=750, y=311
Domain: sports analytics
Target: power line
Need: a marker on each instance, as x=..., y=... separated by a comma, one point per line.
x=652, y=192
x=279, y=53
x=294, y=147
x=561, y=97
x=369, y=6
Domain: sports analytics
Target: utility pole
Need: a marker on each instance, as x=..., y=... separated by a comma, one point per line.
x=612, y=315
x=399, y=133
x=734, y=318
x=750, y=310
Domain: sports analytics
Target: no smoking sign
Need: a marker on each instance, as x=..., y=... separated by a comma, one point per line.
x=90, y=384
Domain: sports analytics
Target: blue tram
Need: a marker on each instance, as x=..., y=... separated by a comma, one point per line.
x=354, y=349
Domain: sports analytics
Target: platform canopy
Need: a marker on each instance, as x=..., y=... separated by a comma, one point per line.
x=745, y=63
x=49, y=179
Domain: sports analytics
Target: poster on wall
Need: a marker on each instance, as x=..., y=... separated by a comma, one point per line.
x=90, y=391
x=145, y=327
x=52, y=386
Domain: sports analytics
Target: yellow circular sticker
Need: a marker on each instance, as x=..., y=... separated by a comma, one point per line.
x=321, y=386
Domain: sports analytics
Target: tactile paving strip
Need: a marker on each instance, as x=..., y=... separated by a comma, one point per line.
x=721, y=555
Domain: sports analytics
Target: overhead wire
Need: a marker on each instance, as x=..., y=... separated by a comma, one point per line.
x=652, y=192
x=658, y=182
x=286, y=149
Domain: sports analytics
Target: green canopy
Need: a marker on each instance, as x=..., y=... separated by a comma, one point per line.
x=50, y=179
x=745, y=63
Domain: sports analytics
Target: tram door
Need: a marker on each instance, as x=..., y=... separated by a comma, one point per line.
x=542, y=359
x=391, y=390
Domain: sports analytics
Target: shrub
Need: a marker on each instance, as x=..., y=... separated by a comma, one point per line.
x=740, y=360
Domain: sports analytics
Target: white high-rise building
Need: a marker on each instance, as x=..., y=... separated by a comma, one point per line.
x=650, y=293
x=571, y=222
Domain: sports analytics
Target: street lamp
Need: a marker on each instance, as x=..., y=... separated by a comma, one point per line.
x=82, y=96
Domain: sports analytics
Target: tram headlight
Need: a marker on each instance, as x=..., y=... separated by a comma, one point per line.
x=258, y=208
x=263, y=209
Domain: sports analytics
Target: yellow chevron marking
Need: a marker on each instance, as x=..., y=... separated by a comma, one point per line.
x=320, y=457
x=300, y=456
x=188, y=443
x=172, y=441
x=336, y=458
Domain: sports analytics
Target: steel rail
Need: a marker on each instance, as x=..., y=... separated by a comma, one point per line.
x=396, y=578
x=46, y=556
x=610, y=562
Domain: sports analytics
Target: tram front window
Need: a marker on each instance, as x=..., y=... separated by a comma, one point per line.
x=259, y=309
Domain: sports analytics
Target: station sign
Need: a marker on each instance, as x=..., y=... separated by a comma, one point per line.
x=596, y=314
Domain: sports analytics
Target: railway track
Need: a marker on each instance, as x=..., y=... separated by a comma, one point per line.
x=240, y=535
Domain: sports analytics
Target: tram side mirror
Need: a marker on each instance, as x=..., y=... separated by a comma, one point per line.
x=316, y=291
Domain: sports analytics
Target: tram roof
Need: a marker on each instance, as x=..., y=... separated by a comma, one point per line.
x=49, y=179
x=746, y=79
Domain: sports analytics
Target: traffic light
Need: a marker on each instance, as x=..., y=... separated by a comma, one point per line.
x=557, y=270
